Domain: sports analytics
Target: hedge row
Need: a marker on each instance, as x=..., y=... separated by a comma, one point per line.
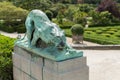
x=20, y=28
x=12, y=18
x=100, y=35
x=6, y=48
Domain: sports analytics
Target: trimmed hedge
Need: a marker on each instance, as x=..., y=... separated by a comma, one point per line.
x=11, y=17
x=100, y=35
x=77, y=29
x=6, y=48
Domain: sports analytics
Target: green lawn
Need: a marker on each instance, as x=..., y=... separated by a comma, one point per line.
x=101, y=35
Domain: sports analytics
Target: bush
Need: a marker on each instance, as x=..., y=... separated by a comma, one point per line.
x=60, y=17
x=21, y=28
x=80, y=17
x=49, y=14
x=92, y=1
x=54, y=11
x=6, y=48
x=9, y=12
x=33, y=4
x=70, y=12
x=8, y=28
x=106, y=35
x=98, y=31
x=12, y=16
x=100, y=18
x=110, y=32
x=85, y=7
x=77, y=29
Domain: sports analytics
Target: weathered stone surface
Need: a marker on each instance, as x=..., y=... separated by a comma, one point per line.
x=73, y=69
x=30, y=66
x=16, y=73
x=36, y=67
x=25, y=65
x=16, y=60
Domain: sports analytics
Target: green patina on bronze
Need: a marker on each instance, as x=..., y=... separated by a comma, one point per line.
x=46, y=39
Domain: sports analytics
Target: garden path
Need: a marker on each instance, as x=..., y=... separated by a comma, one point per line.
x=103, y=64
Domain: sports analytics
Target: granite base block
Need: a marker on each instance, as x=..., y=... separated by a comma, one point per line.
x=30, y=66
x=74, y=69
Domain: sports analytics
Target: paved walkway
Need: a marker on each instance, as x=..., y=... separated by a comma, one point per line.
x=103, y=64
x=12, y=35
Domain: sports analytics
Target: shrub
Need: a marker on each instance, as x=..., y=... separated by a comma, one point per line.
x=100, y=18
x=54, y=11
x=67, y=24
x=12, y=16
x=118, y=35
x=33, y=4
x=77, y=29
x=6, y=48
x=79, y=17
x=60, y=17
x=98, y=31
x=110, y=32
x=92, y=1
x=9, y=12
x=49, y=14
x=85, y=7
x=68, y=32
x=107, y=35
x=70, y=12
x=8, y=28
x=21, y=28
x=88, y=32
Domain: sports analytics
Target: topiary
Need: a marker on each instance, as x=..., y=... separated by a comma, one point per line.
x=77, y=29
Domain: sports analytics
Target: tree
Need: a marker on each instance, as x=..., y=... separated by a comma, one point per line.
x=111, y=6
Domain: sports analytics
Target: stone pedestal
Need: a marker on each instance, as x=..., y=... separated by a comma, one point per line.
x=30, y=66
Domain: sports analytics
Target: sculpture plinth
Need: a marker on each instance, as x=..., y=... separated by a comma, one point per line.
x=30, y=66
x=44, y=47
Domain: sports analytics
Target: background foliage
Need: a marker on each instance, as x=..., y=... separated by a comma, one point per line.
x=11, y=17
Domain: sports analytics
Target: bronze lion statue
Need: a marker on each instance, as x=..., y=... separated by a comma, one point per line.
x=46, y=37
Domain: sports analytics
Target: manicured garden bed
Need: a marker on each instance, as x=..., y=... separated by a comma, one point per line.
x=6, y=48
x=101, y=35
